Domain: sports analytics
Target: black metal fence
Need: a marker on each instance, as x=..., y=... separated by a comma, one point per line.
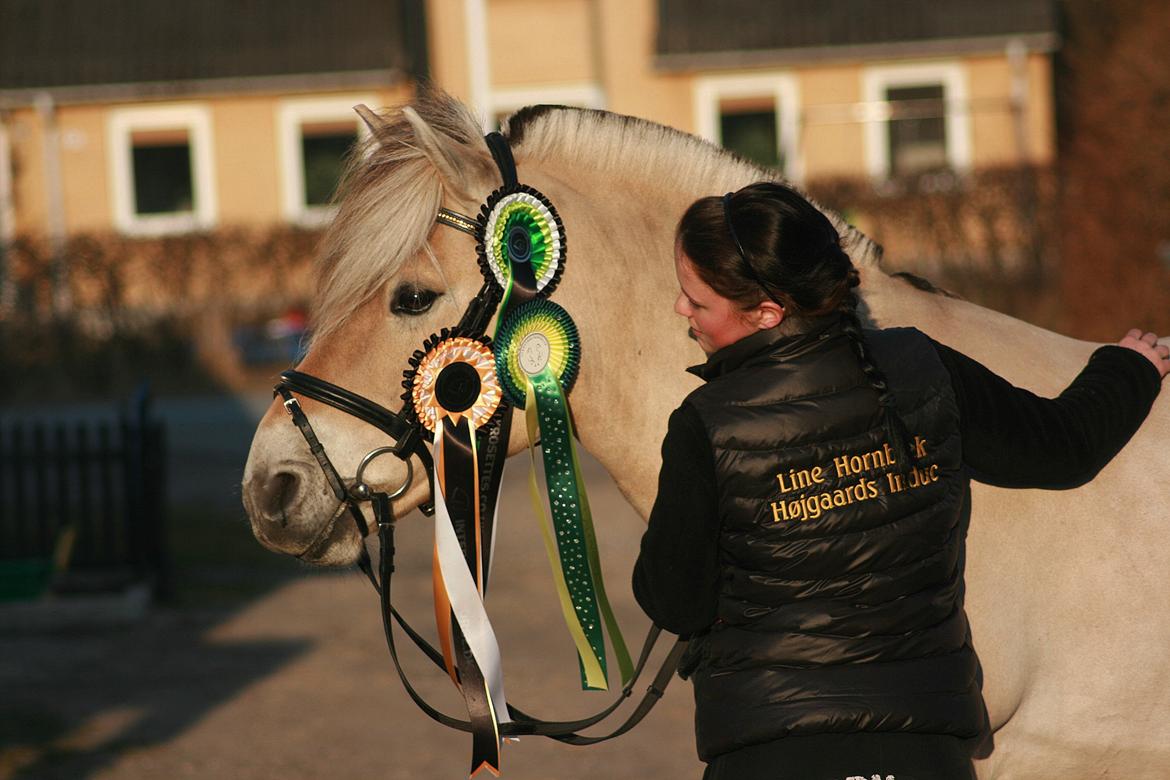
x=83, y=504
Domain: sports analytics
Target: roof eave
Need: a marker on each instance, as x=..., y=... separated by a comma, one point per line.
x=161, y=90
x=1045, y=42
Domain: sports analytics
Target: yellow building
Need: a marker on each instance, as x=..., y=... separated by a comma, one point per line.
x=840, y=88
x=155, y=117
x=161, y=117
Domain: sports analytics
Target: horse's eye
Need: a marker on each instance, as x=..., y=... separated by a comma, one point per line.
x=412, y=301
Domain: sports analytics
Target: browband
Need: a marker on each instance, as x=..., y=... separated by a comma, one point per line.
x=458, y=221
x=502, y=154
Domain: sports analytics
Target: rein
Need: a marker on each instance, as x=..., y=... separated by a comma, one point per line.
x=406, y=431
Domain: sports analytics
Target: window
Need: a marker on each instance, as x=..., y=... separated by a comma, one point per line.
x=917, y=119
x=161, y=160
x=917, y=133
x=315, y=137
x=161, y=169
x=748, y=127
x=323, y=150
x=754, y=116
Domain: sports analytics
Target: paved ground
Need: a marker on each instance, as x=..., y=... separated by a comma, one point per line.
x=296, y=682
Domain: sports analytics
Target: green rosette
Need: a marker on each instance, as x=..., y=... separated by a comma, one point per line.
x=537, y=355
x=536, y=336
x=521, y=226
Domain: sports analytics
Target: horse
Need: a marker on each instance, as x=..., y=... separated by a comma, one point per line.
x=1062, y=586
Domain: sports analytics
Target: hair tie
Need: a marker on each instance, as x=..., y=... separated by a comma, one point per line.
x=731, y=229
x=739, y=248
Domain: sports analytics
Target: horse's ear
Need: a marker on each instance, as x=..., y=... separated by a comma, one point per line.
x=373, y=122
x=462, y=168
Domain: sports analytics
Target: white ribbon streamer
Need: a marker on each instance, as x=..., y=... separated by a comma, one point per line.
x=464, y=595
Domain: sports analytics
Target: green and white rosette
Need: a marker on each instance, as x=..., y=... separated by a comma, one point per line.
x=521, y=227
x=537, y=353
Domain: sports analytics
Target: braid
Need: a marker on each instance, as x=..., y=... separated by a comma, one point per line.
x=894, y=425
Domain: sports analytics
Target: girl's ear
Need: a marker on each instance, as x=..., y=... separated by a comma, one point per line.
x=769, y=314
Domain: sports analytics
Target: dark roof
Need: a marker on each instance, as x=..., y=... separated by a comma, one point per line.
x=79, y=43
x=737, y=32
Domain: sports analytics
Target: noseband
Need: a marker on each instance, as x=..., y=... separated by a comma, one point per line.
x=406, y=432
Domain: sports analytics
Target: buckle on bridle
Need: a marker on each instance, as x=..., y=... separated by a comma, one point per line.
x=407, y=444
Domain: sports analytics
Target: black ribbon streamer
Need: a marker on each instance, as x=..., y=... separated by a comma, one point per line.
x=492, y=446
x=459, y=472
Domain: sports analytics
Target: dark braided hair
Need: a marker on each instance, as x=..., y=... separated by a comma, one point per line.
x=766, y=241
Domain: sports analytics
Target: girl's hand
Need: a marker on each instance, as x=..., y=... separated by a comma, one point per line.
x=1147, y=344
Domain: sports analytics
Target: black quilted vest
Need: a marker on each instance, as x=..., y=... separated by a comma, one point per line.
x=841, y=604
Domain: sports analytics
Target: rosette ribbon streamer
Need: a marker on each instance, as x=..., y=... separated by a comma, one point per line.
x=537, y=355
x=454, y=393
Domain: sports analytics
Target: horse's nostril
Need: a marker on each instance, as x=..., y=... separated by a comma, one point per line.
x=278, y=493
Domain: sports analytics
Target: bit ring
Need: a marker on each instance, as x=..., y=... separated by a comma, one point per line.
x=362, y=491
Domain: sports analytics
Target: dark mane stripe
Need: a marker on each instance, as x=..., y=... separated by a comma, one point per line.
x=920, y=283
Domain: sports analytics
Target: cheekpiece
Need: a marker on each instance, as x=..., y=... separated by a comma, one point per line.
x=452, y=377
x=520, y=225
x=536, y=336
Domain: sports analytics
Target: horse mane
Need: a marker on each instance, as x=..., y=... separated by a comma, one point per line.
x=924, y=284
x=623, y=148
x=389, y=193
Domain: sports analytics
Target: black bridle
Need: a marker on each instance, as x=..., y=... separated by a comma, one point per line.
x=405, y=430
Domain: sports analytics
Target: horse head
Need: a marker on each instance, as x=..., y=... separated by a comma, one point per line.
x=387, y=279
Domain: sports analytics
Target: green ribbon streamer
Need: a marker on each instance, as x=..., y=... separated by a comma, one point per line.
x=625, y=665
x=593, y=676
x=505, y=301
x=576, y=541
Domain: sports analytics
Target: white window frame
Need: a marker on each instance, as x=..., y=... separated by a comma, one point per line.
x=7, y=189
x=784, y=91
x=488, y=102
x=121, y=126
x=877, y=112
x=291, y=115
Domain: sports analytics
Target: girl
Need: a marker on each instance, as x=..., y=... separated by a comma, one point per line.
x=808, y=534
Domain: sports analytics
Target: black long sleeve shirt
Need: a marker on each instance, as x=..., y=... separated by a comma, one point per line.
x=1011, y=438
